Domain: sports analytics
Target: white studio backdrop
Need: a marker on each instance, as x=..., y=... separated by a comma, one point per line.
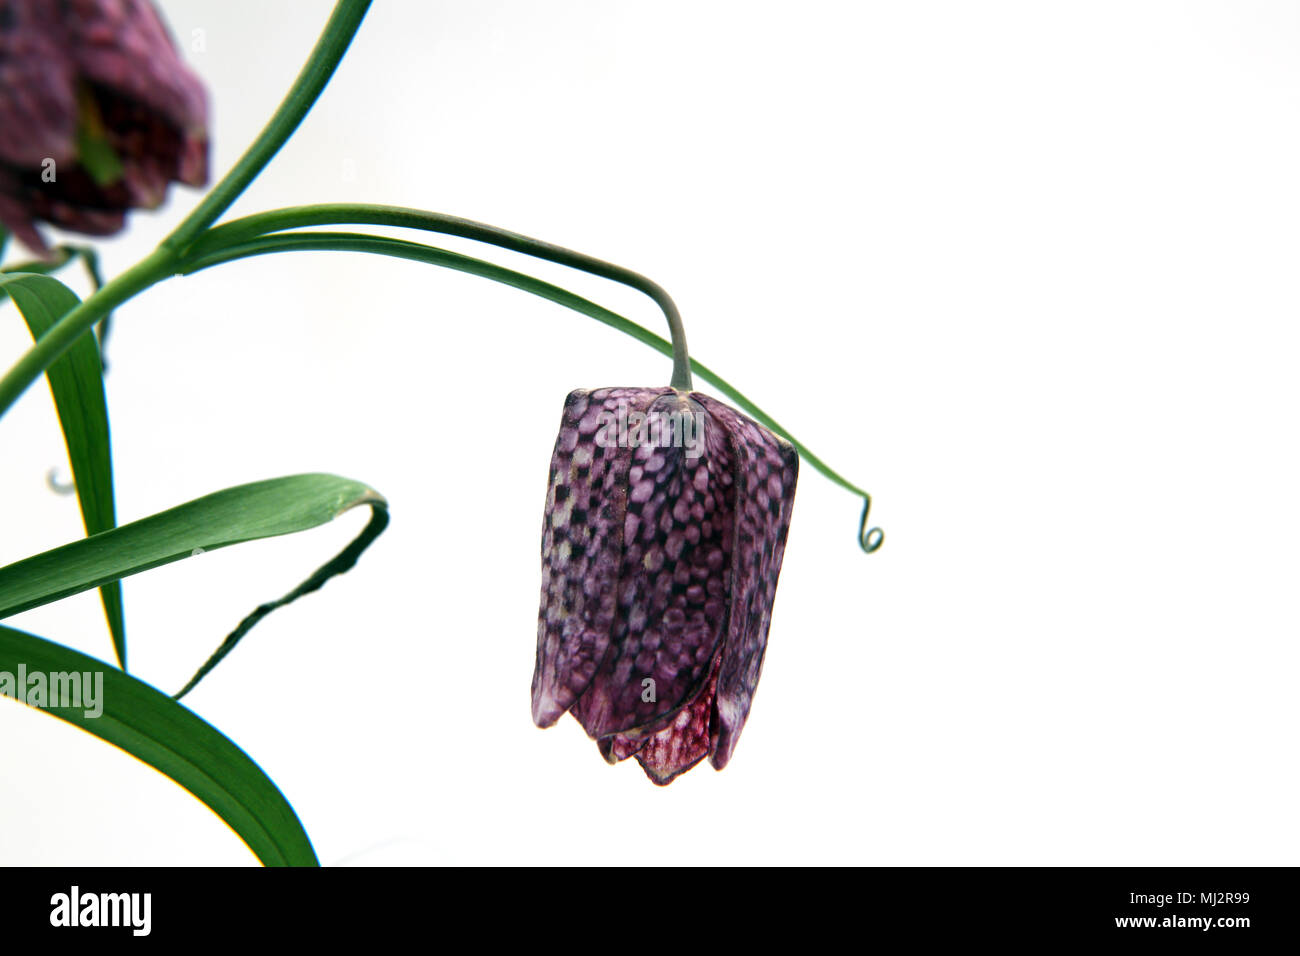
x=1025, y=271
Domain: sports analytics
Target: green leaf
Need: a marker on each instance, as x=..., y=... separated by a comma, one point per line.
x=62, y=255
x=263, y=509
x=77, y=383
x=167, y=736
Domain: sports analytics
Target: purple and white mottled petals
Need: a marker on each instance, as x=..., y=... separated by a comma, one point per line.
x=582, y=546
x=660, y=557
x=768, y=471
x=672, y=581
x=686, y=741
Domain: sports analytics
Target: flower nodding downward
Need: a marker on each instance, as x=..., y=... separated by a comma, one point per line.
x=665, y=526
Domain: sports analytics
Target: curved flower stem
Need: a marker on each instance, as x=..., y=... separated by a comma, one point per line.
x=334, y=214
x=869, y=540
x=316, y=72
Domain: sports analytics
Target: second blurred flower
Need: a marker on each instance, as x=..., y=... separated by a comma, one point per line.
x=98, y=115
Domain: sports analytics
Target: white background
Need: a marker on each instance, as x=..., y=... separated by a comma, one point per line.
x=1025, y=271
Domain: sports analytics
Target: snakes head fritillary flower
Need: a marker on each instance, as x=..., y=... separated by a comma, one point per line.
x=665, y=526
x=97, y=115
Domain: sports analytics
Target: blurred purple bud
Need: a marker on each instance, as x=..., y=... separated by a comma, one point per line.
x=98, y=115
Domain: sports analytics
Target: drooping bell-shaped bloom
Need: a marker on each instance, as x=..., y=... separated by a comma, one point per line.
x=665, y=526
x=98, y=115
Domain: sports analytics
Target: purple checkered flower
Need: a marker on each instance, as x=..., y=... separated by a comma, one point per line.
x=666, y=520
x=97, y=115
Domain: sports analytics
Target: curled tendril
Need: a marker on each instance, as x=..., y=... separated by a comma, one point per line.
x=56, y=486
x=870, y=540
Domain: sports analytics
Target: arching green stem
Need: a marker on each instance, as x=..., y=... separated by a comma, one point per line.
x=869, y=540
x=316, y=72
x=336, y=214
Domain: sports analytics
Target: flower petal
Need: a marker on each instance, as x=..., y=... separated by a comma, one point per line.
x=97, y=87
x=75, y=202
x=15, y=217
x=582, y=541
x=122, y=45
x=38, y=102
x=768, y=468
x=686, y=741
x=672, y=583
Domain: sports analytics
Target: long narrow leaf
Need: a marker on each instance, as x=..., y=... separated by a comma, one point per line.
x=263, y=509
x=77, y=383
x=62, y=255
x=152, y=727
